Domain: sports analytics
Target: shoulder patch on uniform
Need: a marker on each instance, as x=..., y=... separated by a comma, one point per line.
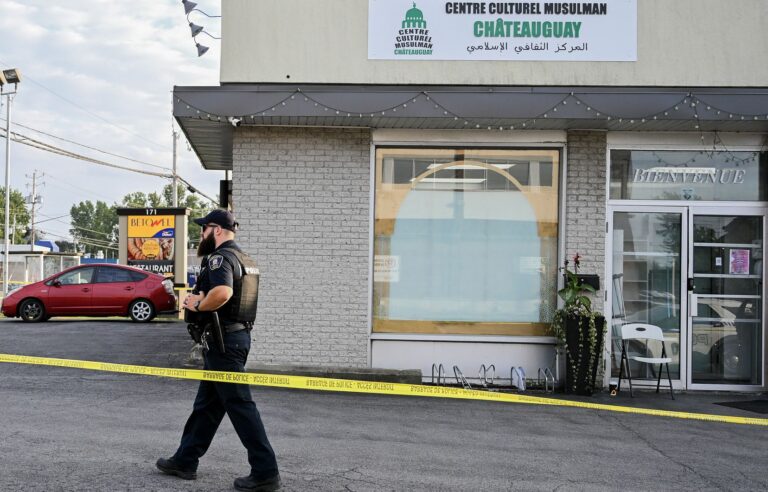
x=215, y=262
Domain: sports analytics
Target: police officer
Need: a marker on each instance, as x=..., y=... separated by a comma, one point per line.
x=228, y=285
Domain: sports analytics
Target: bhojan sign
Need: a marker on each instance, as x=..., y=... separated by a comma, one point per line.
x=504, y=31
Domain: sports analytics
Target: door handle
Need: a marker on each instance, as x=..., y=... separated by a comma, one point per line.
x=693, y=303
x=129, y=288
x=690, y=284
x=86, y=289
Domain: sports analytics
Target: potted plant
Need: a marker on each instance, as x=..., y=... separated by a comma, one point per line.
x=580, y=332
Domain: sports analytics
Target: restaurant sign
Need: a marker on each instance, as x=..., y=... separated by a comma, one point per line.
x=503, y=31
x=151, y=243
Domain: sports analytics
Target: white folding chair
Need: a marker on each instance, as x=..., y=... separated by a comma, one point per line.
x=642, y=331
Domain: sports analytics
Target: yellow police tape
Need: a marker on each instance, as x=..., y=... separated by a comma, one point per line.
x=353, y=386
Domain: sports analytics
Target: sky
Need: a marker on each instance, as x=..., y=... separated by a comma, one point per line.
x=100, y=73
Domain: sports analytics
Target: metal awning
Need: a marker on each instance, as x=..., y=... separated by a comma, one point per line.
x=208, y=115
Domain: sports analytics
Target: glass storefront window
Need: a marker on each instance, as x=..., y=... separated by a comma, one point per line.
x=465, y=241
x=688, y=175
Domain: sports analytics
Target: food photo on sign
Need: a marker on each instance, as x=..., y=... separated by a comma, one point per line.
x=150, y=248
x=151, y=243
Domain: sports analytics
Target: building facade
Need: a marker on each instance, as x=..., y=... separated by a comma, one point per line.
x=412, y=178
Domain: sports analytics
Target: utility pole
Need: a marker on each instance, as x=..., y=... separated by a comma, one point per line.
x=7, y=247
x=7, y=77
x=175, y=176
x=34, y=199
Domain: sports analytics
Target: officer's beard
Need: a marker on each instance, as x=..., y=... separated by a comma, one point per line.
x=206, y=246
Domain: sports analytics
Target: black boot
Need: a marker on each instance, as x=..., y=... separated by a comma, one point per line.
x=170, y=467
x=252, y=484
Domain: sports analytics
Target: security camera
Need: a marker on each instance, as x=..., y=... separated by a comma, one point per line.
x=235, y=121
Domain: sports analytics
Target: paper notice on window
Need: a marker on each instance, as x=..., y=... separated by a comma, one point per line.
x=739, y=262
x=386, y=268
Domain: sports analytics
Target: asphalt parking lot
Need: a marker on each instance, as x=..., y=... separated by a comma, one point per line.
x=69, y=429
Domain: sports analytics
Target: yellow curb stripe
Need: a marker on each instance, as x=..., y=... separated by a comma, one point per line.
x=370, y=387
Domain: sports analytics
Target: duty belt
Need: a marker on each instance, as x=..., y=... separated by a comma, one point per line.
x=233, y=327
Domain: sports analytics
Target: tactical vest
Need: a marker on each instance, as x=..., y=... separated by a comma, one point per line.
x=241, y=306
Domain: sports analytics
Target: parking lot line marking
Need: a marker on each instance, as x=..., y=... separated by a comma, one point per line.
x=369, y=387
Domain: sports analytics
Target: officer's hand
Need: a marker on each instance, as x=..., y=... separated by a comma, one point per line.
x=190, y=302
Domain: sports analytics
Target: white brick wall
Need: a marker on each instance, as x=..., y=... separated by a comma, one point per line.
x=585, y=204
x=302, y=198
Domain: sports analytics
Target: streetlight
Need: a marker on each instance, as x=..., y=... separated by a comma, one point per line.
x=9, y=76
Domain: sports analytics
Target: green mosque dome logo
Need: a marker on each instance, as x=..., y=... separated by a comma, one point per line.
x=414, y=18
x=413, y=37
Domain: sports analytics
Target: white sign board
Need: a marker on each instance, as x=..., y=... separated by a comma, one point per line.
x=386, y=268
x=503, y=31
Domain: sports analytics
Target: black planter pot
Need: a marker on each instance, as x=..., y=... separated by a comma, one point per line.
x=580, y=378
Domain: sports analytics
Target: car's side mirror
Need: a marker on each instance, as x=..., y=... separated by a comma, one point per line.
x=56, y=283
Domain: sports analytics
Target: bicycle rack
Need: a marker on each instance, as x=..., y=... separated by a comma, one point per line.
x=549, y=379
x=440, y=373
x=482, y=374
x=520, y=372
x=460, y=379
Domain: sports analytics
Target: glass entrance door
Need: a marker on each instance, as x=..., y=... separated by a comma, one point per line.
x=726, y=292
x=648, y=274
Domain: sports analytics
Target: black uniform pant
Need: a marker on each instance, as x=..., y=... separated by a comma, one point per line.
x=215, y=399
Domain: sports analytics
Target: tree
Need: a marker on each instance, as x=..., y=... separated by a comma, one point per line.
x=66, y=246
x=197, y=208
x=94, y=226
x=20, y=218
x=139, y=199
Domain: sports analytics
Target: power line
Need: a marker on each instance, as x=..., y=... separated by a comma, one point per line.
x=37, y=144
x=31, y=142
x=27, y=78
x=195, y=190
x=89, y=147
x=87, y=242
x=60, y=181
x=54, y=218
x=73, y=226
x=58, y=219
x=94, y=239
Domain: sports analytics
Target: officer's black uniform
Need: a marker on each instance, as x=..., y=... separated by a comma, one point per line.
x=214, y=399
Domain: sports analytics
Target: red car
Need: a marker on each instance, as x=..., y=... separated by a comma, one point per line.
x=93, y=290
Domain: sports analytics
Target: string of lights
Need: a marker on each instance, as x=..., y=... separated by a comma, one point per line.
x=689, y=100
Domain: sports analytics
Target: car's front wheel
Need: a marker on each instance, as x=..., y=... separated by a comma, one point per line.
x=32, y=311
x=141, y=311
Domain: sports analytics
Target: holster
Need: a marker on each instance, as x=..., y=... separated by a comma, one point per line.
x=203, y=325
x=216, y=331
x=196, y=332
x=196, y=324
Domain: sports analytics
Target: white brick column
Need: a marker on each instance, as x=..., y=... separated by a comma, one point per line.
x=302, y=198
x=585, y=204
